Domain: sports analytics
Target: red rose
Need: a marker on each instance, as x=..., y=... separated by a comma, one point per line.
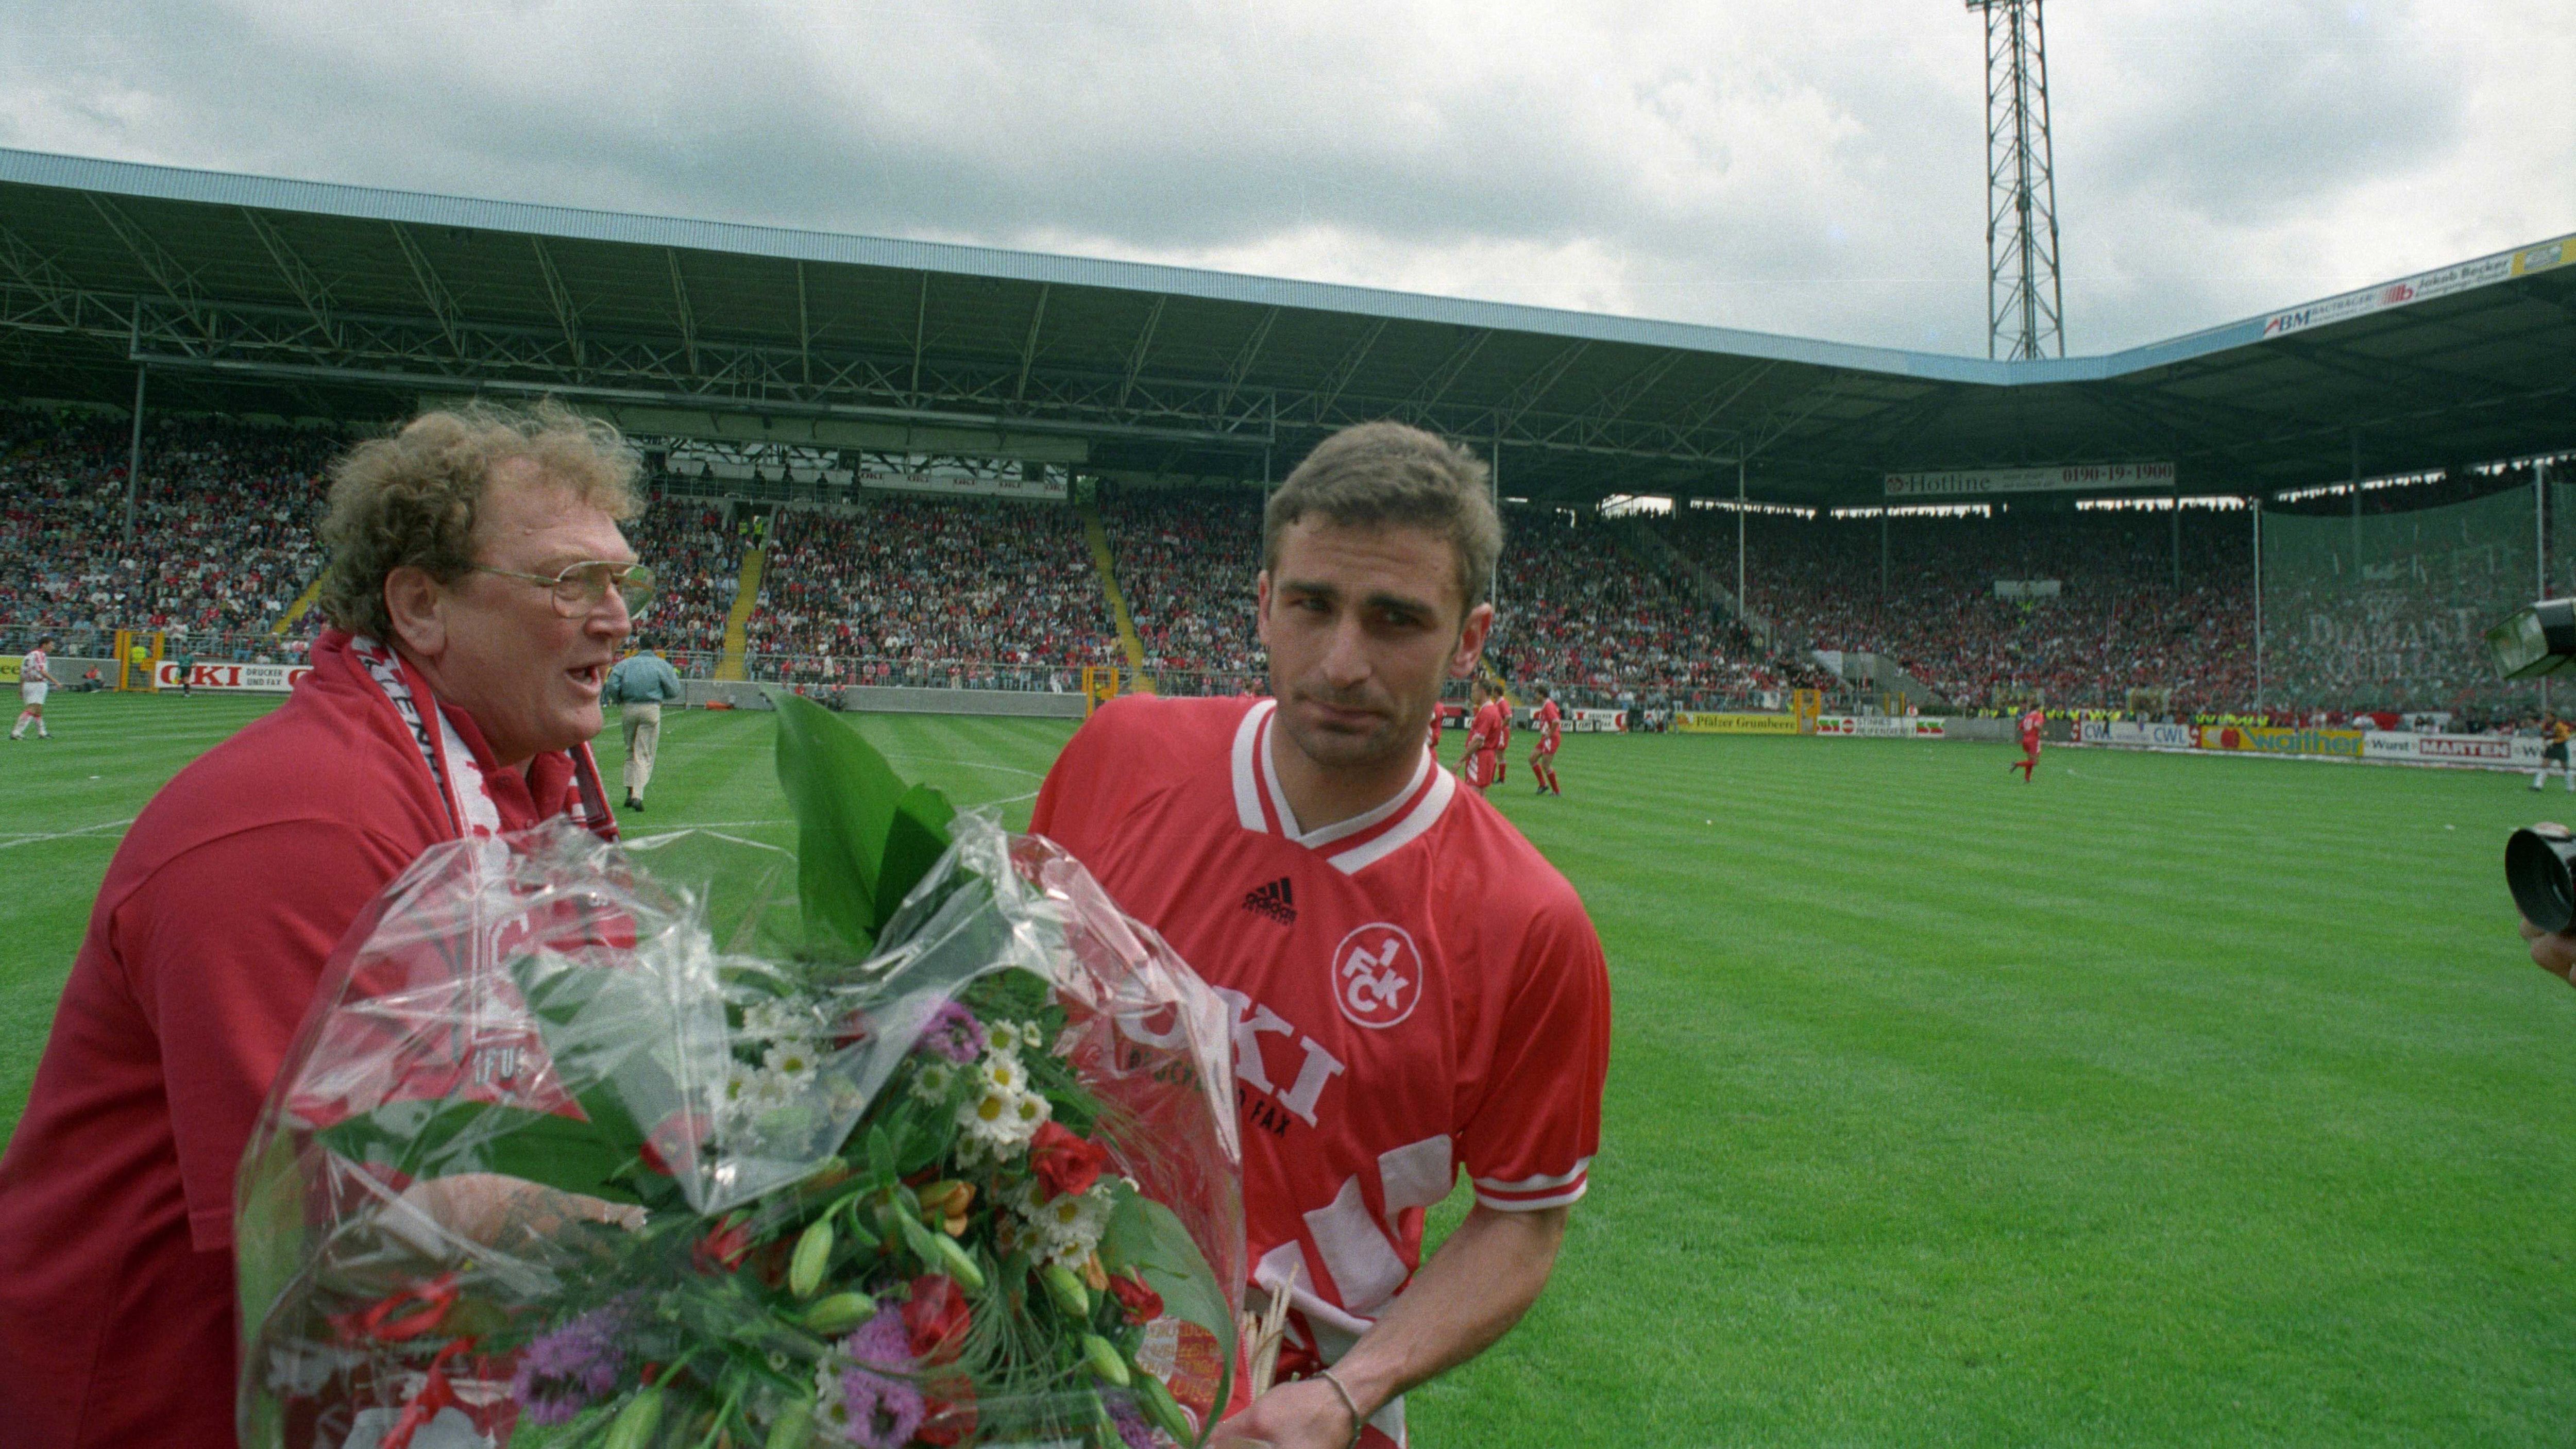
x=935, y=1318
x=948, y=1411
x=1064, y=1162
x=723, y=1249
x=1142, y=1304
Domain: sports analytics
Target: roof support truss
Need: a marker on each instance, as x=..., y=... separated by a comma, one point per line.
x=688, y=317
x=559, y=296
x=442, y=302
x=301, y=279
x=1029, y=349
x=1144, y=343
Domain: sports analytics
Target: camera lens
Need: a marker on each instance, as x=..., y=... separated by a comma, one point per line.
x=2536, y=866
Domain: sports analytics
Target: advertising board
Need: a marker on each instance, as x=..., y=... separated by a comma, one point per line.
x=227, y=676
x=1596, y=721
x=2270, y=740
x=1702, y=722
x=1881, y=726
x=2494, y=752
x=965, y=485
x=2138, y=736
x=1962, y=481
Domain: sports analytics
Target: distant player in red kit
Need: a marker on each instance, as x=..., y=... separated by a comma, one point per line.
x=2028, y=764
x=1549, y=721
x=1435, y=730
x=1482, y=765
x=1415, y=992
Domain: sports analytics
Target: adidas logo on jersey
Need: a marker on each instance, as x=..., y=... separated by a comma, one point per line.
x=1273, y=900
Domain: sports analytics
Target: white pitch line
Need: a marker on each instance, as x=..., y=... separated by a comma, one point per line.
x=67, y=834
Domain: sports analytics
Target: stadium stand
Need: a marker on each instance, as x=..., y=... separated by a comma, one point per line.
x=223, y=536
x=930, y=593
x=2116, y=624
x=1187, y=560
x=1579, y=613
x=2369, y=608
x=696, y=560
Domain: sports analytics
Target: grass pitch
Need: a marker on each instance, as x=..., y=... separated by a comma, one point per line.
x=2165, y=1101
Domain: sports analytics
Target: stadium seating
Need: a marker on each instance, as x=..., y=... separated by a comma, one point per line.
x=2117, y=623
x=223, y=527
x=1187, y=561
x=1585, y=616
x=696, y=559
x=923, y=592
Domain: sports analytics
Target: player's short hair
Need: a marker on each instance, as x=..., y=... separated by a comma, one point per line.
x=409, y=500
x=1385, y=474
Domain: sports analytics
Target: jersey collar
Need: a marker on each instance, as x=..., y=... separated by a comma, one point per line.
x=1347, y=845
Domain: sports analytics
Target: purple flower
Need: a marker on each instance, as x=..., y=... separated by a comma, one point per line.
x=1132, y=1430
x=882, y=1342
x=881, y=1412
x=954, y=1033
x=569, y=1369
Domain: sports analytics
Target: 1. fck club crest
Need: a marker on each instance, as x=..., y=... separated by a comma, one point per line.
x=1377, y=975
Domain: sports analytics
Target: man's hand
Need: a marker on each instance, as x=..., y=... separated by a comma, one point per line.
x=1471, y=1292
x=2553, y=954
x=1301, y=1414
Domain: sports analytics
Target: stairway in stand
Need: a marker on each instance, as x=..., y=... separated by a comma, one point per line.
x=1129, y=643
x=746, y=598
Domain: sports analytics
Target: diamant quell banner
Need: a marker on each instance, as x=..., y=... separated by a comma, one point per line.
x=1971, y=482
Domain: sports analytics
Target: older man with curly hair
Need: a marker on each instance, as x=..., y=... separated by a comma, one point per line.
x=478, y=590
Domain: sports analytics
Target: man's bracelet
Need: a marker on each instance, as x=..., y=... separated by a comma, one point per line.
x=1358, y=1424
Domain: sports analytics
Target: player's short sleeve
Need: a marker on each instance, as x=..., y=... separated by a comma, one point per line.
x=1073, y=802
x=223, y=947
x=1529, y=1135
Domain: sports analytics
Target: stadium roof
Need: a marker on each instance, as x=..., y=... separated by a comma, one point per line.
x=253, y=294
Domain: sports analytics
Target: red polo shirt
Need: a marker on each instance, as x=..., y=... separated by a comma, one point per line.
x=117, y=1307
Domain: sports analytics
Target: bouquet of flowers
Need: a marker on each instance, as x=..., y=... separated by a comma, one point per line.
x=943, y=1156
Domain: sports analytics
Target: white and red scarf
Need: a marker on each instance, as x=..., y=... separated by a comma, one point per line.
x=454, y=772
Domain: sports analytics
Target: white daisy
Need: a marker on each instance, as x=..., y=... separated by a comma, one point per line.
x=1002, y=1038
x=793, y=1059
x=932, y=1080
x=1003, y=1073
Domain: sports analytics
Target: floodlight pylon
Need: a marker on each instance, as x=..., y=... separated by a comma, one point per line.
x=2025, y=303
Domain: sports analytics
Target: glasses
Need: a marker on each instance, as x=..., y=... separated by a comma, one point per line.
x=580, y=587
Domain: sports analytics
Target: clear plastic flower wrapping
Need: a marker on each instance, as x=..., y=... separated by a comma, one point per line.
x=507, y=996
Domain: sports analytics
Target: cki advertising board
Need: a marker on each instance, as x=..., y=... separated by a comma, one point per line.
x=241, y=678
x=1694, y=722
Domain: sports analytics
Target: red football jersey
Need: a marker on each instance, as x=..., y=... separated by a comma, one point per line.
x=1416, y=991
x=1550, y=723
x=1492, y=727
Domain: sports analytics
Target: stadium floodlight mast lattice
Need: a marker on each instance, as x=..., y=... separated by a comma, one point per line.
x=2025, y=305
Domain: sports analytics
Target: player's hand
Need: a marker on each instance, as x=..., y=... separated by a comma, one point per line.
x=1300, y=1414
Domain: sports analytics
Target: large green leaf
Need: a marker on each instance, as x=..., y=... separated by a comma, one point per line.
x=845, y=798
x=444, y=1137
x=914, y=843
x=1148, y=1237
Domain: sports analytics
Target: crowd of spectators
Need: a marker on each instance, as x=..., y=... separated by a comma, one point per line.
x=1187, y=561
x=2117, y=622
x=913, y=591
x=224, y=525
x=696, y=558
x=1583, y=615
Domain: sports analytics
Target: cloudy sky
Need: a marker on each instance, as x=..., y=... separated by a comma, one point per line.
x=1791, y=166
